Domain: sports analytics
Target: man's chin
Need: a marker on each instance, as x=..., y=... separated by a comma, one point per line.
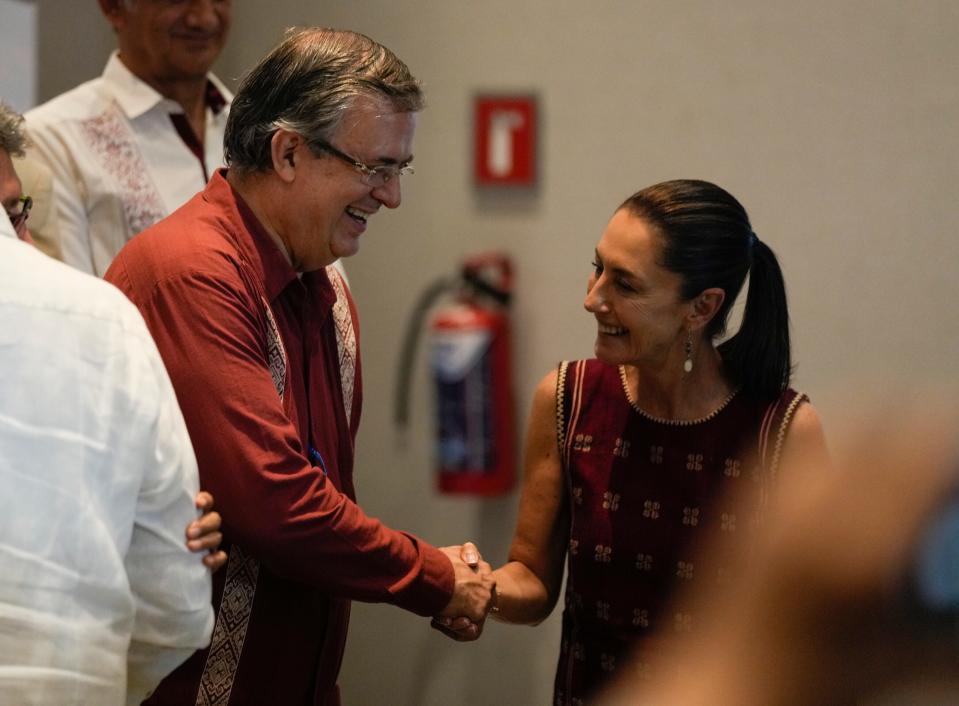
x=348, y=249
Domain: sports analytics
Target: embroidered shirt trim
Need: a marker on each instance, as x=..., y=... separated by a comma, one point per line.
x=239, y=589
x=115, y=147
x=345, y=339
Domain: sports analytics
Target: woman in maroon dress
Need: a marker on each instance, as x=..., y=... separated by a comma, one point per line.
x=631, y=457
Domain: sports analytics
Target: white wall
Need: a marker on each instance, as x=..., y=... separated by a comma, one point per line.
x=18, y=70
x=834, y=123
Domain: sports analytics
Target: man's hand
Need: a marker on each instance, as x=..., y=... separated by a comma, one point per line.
x=473, y=594
x=203, y=534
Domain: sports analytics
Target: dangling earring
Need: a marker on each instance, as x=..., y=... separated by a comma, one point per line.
x=688, y=363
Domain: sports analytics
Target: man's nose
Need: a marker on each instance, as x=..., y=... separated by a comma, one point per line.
x=390, y=194
x=203, y=14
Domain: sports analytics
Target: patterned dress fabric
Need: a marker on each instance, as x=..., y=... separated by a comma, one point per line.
x=643, y=494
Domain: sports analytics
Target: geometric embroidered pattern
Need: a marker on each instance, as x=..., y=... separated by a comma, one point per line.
x=232, y=621
x=275, y=352
x=114, y=144
x=345, y=340
x=239, y=589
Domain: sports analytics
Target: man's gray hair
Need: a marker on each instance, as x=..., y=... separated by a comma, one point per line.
x=13, y=139
x=305, y=85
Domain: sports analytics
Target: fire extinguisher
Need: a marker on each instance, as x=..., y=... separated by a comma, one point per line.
x=470, y=365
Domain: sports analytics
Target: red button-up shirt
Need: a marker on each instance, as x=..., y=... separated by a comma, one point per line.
x=212, y=285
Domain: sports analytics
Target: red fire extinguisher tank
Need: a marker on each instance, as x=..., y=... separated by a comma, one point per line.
x=471, y=363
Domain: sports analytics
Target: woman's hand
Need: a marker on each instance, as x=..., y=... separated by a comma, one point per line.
x=462, y=628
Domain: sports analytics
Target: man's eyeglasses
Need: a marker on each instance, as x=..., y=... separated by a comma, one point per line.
x=19, y=219
x=372, y=176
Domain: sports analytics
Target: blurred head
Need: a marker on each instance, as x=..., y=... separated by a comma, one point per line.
x=164, y=41
x=12, y=143
x=328, y=116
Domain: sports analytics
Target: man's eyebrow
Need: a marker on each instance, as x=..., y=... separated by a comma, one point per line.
x=389, y=161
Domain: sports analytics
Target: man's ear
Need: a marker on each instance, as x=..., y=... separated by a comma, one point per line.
x=284, y=146
x=113, y=10
x=704, y=307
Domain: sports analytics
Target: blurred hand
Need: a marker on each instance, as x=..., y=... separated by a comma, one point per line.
x=203, y=534
x=812, y=612
x=473, y=594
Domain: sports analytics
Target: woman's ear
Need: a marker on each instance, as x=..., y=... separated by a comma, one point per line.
x=283, y=153
x=705, y=305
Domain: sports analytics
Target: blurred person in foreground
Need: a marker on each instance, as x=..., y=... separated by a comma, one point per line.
x=629, y=455
x=99, y=598
x=826, y=610
x=260, y=336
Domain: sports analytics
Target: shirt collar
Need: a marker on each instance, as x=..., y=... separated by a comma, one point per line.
x=262, y=252
x=218, y=96
x=136, y=97
x=253, y=239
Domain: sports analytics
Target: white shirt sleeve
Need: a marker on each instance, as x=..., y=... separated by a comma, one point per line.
x=170, y=586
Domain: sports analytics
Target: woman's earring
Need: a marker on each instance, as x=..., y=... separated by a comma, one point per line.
x=688, y=363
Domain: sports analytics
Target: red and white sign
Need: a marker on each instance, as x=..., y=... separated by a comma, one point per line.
x=505, y=140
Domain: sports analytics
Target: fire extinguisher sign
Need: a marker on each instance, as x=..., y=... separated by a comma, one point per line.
x=505, y=140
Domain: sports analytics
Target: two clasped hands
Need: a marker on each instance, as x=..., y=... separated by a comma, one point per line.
x=474, y=588
x=474, y=594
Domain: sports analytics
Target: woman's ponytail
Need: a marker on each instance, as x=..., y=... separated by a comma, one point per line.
x=758, y=357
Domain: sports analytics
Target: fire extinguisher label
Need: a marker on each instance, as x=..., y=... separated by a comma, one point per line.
x=462, y=371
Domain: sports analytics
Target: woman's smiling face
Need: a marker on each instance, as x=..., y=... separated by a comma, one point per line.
x=636, y=301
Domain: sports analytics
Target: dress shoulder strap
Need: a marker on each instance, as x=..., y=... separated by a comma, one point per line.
x=569, y=400
x=562, y=414
x=772, y=432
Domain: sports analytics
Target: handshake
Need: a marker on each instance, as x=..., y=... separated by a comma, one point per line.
x=474, y=594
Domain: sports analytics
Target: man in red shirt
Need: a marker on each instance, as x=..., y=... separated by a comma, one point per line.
x=259, y=335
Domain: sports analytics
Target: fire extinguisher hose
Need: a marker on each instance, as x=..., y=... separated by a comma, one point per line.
x=414, y=326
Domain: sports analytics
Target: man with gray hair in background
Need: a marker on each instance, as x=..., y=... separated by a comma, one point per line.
x=128, y=148
x=259, y=335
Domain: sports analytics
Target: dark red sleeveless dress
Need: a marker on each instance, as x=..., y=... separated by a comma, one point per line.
x=642, y=494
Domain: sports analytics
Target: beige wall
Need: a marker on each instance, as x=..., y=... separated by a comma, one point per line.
x=73, y=45
x=834, y=123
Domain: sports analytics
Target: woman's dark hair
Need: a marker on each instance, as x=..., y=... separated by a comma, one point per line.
x=708, y=241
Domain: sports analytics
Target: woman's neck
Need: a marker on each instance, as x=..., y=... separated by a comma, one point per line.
x=672, y=393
